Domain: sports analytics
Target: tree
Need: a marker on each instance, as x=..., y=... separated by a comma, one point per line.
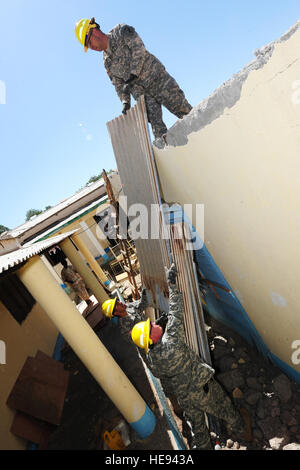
x=94, y=178
x=3, y=229
x=31, y=212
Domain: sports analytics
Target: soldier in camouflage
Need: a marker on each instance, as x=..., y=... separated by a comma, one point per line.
x=134, y=71
x=179, y=368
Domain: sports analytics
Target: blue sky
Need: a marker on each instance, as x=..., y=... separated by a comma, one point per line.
x=53, y=134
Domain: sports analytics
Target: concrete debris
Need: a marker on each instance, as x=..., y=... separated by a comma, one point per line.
x=237, y=393
x=282, y=387
x=231, y=380
x=293, y=446
x=229, y=443
x=288, y=419
x=277, y=443
x=269, y=396
x=252, y=397
x=253, y=382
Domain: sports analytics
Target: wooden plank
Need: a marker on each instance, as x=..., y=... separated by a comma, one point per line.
x=40, y=355
x=31, y=429
x=96, y=318
x=40, y=390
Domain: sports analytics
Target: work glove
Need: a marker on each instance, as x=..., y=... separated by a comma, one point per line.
x=171, y=274
x=131, y=78
x=126, y=107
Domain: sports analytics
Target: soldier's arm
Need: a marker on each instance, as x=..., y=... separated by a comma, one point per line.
x=168, y=389
x=175, y=326
x=122, y=90
x=176, y=311
x=143, y=303
x=137, y=47
x=126, y=324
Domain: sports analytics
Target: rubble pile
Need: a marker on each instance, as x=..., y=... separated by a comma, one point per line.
x=271, y=399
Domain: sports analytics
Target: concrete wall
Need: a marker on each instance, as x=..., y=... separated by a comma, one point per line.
x=238, y=152
x=37, y=332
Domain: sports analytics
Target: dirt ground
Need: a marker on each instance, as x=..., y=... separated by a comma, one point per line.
x=269, y=396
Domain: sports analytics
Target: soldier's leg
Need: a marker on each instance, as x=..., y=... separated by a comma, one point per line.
x=167, y=91
x=154, y=111
x=218, y=403
x=200, y=433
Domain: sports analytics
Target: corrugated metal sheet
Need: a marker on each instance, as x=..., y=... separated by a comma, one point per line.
x=133, y=152
x=188, y=284
x=16, y=257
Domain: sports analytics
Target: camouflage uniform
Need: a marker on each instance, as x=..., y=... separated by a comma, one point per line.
x=183, y=374
x=126, y=56
x=73, y=278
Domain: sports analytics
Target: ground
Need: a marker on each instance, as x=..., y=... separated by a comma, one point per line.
x=269, y=396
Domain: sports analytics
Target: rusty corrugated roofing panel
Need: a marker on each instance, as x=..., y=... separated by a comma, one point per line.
x=133, y=152
x=16, y=257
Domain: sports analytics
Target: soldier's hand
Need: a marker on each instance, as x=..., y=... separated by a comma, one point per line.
x=126, y=107
x=171, y=274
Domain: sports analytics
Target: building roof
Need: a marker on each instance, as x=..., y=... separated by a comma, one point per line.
x=69, y=220
x=16, y=232
x=10, y=260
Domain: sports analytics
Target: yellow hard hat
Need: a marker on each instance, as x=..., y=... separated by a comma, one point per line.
x=108, y=307
x=140, y=335
x=82, y=29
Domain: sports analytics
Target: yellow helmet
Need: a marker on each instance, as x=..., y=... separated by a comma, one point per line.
x=108, y=307
x=140, y=335
x=82, y=29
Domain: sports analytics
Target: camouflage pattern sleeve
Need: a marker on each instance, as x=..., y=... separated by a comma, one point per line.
x=167, y=387
x=176, y=310
x=123, y=92
x=143, y=303
x=137, y=47
x=126, y=324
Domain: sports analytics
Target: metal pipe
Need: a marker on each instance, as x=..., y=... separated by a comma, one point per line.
x=80, y=265
x=90, y=259
x=87, y=346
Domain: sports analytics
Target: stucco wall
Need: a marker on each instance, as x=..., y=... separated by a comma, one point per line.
x=238, y=153
x=37, y=332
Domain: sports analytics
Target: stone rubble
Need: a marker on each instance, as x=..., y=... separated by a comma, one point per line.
x=270, y=397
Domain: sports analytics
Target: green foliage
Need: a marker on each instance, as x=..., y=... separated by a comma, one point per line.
x=31, y=212
x=95, y=178
x=3, y=229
